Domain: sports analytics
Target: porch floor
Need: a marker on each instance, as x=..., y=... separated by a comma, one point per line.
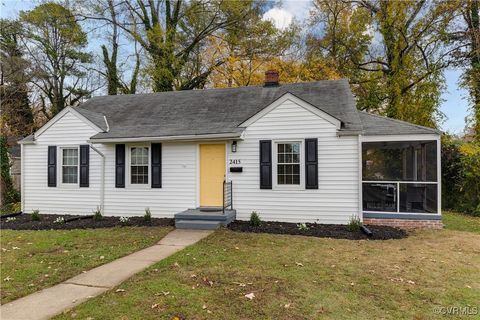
x=204, y=218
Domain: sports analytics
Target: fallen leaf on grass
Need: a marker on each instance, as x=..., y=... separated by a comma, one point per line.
x=240, y=284
x=286, y=306
x=204, y=307
x=120, y=290
x=250, y=296
x=102, y=257
x=8, y=279
x=411, y=282
x=155, y=305
x=299, y=264
x=207, y=281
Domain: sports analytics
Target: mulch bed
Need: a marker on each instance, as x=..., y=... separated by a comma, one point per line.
x=336, y=231
x=24, y=222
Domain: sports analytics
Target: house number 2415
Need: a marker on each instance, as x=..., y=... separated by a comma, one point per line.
x=235, y=161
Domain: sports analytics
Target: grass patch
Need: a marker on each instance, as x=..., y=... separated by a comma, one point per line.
x=461, y=222
x=33, y=260
x=296, y=277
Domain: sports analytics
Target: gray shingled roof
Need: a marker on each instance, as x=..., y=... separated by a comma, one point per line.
x=97, y=118
x=213, y=111
x=221, y=111
x=378, y=125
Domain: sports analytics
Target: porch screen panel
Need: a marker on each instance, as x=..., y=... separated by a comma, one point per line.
x=400, y=176
x=400, y=161
x=418, y=198
x=380, y=197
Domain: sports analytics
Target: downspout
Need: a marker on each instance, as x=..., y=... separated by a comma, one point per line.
x=360, y=179
x=102, y=179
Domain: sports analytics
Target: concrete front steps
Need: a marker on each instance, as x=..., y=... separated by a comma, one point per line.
x=204, y=218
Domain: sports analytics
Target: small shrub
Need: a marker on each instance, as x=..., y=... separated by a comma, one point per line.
x=147, y=217
x=124, y=220
x=354, y=224
x=59, y=220
x=10, y=219
x=302, y=227
x=97, y=214
x=255, y=220
x=35, y=215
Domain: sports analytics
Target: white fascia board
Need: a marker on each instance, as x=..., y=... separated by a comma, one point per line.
x=302, y=103
x=215, y=136
x=60, y=115
x=21, y=142
x=401, y=137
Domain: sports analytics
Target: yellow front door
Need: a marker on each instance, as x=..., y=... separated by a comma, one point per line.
x=212, y=172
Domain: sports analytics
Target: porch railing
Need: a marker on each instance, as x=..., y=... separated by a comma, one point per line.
x=227, y=195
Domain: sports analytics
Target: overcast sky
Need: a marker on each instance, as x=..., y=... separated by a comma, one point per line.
x=455, y=105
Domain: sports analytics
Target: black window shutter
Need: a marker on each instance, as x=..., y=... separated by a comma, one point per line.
x=311, y=163
x=265, y=164
x=84, y=165
x=156, y=165
x=119, y=166
x=52, y=166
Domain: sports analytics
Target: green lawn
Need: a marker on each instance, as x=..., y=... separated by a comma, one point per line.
x=461, y=222
x=33, y=260
x=295, y=277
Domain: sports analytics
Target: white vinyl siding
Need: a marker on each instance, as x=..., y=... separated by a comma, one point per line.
x=69, y=131
x=178, y=191
x=337, y=197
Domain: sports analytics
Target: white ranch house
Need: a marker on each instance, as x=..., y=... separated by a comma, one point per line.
x=292, y=152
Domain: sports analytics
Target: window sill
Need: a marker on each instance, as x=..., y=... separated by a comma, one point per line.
x=138, y=186
x=69, y=186
x=288, y=188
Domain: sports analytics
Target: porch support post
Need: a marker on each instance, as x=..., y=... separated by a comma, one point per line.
x=439, y=175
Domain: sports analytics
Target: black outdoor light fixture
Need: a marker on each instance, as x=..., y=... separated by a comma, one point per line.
x=234, y=146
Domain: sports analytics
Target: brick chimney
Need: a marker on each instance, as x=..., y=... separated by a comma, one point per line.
x=271, y=78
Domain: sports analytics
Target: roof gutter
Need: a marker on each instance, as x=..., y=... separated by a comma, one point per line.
x=212, y=136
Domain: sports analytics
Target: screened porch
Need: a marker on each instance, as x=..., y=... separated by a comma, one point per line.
x=401, y=177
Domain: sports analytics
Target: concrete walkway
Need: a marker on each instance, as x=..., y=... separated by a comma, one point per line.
x=52, y=301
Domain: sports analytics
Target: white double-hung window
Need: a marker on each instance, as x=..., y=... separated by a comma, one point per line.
x=139, y=162
x=69, y=165
x=288, y=157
